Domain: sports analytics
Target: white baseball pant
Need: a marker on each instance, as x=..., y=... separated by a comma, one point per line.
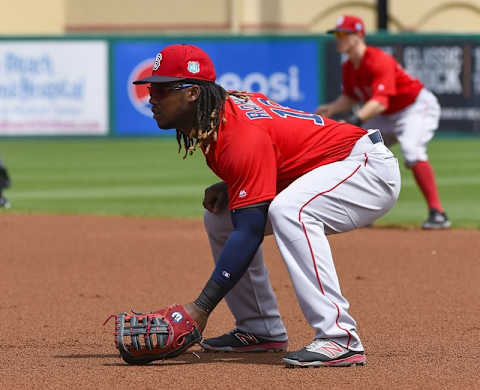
x=333, y=198
x=413, y=127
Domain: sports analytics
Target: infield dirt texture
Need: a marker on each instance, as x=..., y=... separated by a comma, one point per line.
x=414, y=294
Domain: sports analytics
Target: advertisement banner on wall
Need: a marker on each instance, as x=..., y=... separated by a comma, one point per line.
x=450, y=69
x=284, y=70
x=53, y=87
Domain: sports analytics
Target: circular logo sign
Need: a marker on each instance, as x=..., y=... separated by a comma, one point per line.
x=138, y=94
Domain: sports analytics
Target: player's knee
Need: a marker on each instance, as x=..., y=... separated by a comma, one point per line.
x=215, y=223
x=279, y=211
x=210, y=221
x=413, y=155
x=410, y=161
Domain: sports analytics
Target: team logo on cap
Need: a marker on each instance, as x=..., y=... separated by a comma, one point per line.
x=157, y=61
x=193, y=66
x=358, y=27
x=138, y=94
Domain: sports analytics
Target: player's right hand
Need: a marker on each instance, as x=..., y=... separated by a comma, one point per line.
x=323, y=110
x=215, y=198
x=200, y=316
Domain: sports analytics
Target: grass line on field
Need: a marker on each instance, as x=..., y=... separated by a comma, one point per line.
x=109, y=192
x=445, y=181
x=166, y=177
x=146, y=176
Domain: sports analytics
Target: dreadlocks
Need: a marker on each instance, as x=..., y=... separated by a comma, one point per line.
x=208, y=115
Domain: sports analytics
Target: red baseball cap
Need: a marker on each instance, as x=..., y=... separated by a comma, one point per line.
x=180, y=62
x=349, y=23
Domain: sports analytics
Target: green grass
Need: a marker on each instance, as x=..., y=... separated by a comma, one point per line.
x=146, y=177
x=126, y=176
x=457, y=169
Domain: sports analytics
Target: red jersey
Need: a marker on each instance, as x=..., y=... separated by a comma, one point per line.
x=381, y=78
x=262, y=147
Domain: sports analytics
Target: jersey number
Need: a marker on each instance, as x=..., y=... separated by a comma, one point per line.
x=317, y=119
x=285, y=112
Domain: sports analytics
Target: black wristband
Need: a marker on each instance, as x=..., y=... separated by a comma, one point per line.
x=211, y=294
x=354, y=120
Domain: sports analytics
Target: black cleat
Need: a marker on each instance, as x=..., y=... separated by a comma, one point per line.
x=436, y=220
x=238, y=341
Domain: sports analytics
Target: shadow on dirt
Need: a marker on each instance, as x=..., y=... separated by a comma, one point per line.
x=87, y=356
x=271, y=359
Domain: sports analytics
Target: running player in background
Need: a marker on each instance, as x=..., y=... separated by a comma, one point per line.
x=293, y=173
x=4, y=183
x=392, y=101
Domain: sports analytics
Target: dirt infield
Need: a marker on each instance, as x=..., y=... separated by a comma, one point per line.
x=415, y=295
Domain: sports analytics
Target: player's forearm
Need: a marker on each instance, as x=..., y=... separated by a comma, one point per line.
x=370, y=109
x=342, y=104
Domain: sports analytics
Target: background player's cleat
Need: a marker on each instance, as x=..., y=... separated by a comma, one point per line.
x=4, y=202
x=238, y=341
x=436, y=220
x=323, y=352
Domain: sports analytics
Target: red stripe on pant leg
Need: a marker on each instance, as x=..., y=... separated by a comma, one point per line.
x=313, y=255
x=346, y=330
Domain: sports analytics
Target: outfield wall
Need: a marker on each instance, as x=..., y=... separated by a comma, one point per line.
x=82, y=85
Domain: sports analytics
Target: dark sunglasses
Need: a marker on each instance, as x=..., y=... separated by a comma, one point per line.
x=161, y=91
x=341, y=34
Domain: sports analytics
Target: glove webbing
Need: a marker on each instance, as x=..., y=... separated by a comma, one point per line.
x=133, y=326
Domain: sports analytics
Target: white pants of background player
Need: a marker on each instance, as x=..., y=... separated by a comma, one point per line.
x=333, y=198
x=412, y=127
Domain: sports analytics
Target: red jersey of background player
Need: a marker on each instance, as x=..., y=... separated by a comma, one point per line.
x=262, y=147
x=381, y=78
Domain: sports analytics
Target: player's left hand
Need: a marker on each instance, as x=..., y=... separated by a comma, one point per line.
x=144, y=337
x=355, y=120
x=215, y=199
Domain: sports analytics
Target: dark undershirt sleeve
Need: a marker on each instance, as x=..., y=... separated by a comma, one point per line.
x=241, y=246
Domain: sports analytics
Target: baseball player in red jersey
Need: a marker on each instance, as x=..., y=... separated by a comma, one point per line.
x=296, y=174
x=392, y=101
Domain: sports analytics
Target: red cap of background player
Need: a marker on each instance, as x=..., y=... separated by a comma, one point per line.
x=349, y=23
x=180, y=62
